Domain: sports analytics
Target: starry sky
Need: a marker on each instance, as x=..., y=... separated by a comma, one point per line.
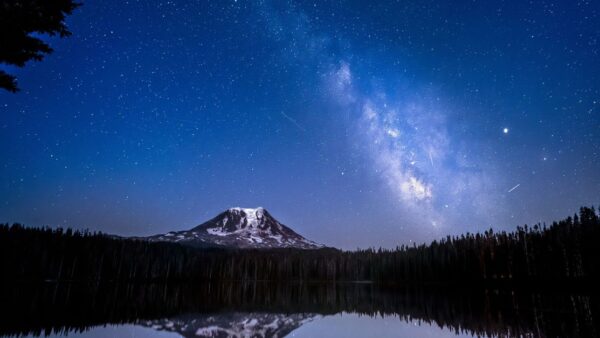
x=356, y=123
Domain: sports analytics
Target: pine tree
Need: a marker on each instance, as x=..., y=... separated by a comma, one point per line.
x=18, y=21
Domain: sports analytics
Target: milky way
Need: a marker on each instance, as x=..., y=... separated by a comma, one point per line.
x=355, y=123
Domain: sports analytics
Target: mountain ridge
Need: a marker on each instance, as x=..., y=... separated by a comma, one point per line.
x=246, y=228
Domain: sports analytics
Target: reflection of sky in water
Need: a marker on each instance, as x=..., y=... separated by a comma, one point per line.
x=129, y=330
x=339, y=325
x=355, y=325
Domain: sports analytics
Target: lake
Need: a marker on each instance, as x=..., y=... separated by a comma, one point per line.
x=291, y=309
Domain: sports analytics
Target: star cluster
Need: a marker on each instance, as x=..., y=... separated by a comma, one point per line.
x=356, y=123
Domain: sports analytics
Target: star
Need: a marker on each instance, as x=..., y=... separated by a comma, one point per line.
x=505, y=130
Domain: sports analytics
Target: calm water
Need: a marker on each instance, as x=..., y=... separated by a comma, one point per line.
x=292, y=310
x=339, y=325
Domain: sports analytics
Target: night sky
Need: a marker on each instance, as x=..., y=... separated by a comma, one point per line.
x=357, y=124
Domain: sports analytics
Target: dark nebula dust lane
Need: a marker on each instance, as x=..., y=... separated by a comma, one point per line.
x=358, y=124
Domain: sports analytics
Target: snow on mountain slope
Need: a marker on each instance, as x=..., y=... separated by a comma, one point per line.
x=241, y=228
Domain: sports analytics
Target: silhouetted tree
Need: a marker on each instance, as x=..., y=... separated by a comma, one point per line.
x=18, y=20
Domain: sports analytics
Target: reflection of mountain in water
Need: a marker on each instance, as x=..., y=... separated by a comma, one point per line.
x=232, y=324
x=63, y=308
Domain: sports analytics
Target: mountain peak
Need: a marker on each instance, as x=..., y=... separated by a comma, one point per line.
x=253, y=215
x=246, y=210
x=241, y=228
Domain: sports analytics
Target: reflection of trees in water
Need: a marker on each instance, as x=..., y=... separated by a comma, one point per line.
x=59, y=308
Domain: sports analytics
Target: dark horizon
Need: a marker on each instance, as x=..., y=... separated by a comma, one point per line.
x=482, y=231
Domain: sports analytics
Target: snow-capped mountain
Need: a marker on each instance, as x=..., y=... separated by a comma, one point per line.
x=241, y=228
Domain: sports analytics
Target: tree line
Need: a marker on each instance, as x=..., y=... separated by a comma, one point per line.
x=565, y=251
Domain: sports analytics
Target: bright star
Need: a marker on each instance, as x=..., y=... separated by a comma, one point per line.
x=505, y=130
